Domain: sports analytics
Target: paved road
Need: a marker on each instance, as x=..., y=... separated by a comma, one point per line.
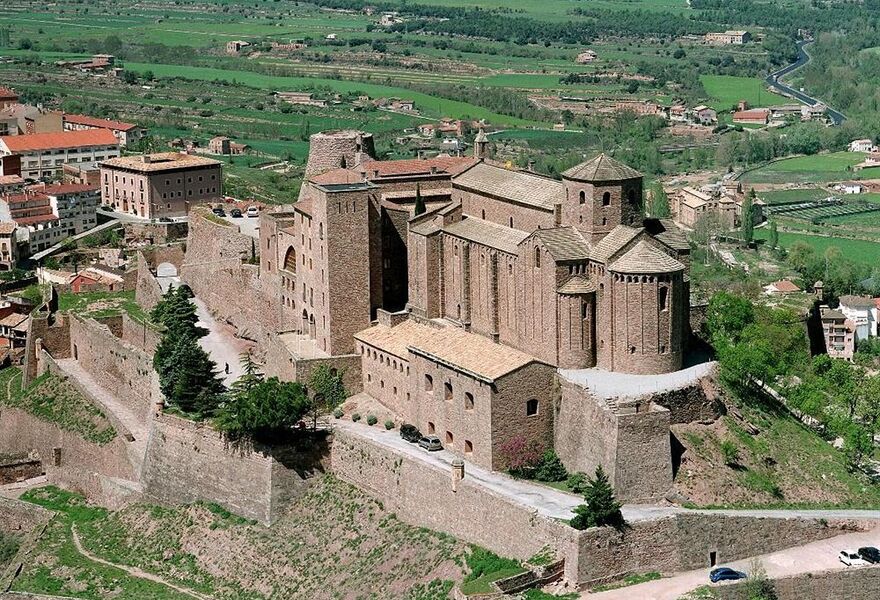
x=773, y=80
x=810, y=558
x=223, y=347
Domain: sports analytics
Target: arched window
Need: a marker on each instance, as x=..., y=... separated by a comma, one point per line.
x=663, y=299
x=606, y=198
x=537, y=257
x=429, y=383
x=583, y=197
x=290, y=260
x=447, y=391
x=468, y=401
x=532, y=407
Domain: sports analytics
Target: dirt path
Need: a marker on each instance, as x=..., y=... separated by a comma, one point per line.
x=133, y=571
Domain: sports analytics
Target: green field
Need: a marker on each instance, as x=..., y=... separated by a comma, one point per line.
x=726, y=90
x=817, y=168
x=798, y=195
x=859, y=251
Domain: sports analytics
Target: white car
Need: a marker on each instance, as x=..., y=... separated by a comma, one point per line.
x=851, y=558
x=253, y=211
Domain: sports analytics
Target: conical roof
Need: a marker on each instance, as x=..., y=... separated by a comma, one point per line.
x=601, y=168
x=645, y=258
x=481, y=136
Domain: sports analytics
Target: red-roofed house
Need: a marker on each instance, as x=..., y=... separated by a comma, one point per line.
x=752, y=116
x=7, y=97
x=8, y=247
x=126, y=133
x=43, y=154
x=31, y=211
x=783, y=286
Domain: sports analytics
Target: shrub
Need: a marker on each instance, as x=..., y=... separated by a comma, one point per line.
x=338, y=413
x=550, y=468
x=601, y=507
x=389, y=424
x=577, y=482
x=730, y=452
x=520, y=455
x=356, y=417
x=372, y=420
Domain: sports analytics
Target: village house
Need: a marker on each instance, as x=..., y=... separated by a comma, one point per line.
x=587, y=56
x=38, y=227
x=23, y=119
x=727, y=38
x=861, y=311
x=781, y=287
x=838, y=332
x=8, y=246
x=8, y=97
x=42, y=155
x=236, y=46
x=752, y=116
x=126, y=133
x=705, y=115
x=689, y=205
x=160, y=185
x=300, y=98
x=224, y=145
x=13, y=329
x=863, y=145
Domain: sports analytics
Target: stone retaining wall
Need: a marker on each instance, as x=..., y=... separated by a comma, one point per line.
x=147, y=290
x=188, y=462
x=850, y=584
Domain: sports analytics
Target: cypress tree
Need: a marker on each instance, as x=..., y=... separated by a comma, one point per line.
x=601, y=508
x=748, y=222
x=774, y=236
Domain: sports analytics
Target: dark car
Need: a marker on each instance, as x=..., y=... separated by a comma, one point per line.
x=725, y=574
x=410, y=433
x=235, y=213
x=870, y=554
x=219, y=211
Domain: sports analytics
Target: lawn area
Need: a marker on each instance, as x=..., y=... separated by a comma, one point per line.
x=726, y=90
x=829, y=166
x=428, y=105
x=798, y=195
x=102, y=304
x=860, y=251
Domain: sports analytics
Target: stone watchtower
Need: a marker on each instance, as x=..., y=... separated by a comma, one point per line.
x=601, y=194
x=481, y=145
x=338, y=149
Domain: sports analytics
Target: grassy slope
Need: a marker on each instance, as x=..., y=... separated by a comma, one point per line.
x=857, y=250
x=785, y=463
x=335, y=542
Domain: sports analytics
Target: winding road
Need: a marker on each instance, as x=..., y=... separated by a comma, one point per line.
x=773, y=80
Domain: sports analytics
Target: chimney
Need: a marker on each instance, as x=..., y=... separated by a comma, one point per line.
x=433, y=169
x=146, y=159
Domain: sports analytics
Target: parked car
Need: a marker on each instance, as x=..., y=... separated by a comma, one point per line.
x=235, y=213
x=253, y=211
x=431, y=443
x=218, y=210
x=725, y=574
x=410, y=433
x=851, y=558
x=870, y=554
x=166, y=220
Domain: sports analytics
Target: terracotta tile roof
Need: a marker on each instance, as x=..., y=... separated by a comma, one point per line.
x=304, y=206
x=616, y=239
x=645, y=258
x=831, y=314
x=98, y=123
x=669, y=233
x=516, y=186
x=752, y=114
x=11, y=179
x=157, y=162
x=564, y=243
x=337, y=176
x=7, y=227
x=65, y=188
x=784, y=285
x=34, y=220
x=577, y=284
x=7, y=93
x=450, y=165
x=12, y=320
x=487, y=233
x=601, y=168
x=450, y=346
x=61, y=139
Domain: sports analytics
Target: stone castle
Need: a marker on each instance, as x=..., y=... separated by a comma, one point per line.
x=465, y=318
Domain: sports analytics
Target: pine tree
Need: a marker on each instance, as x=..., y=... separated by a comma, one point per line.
x=420, y=204
x=601, y=508
x=191, y=383
x=748, y=221
x=774, y=236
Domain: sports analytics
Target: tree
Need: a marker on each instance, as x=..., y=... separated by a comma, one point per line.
x=748, y=219
x=520, y=455
x=659, y=201
x=188, y=378
x=550, y=468
x=773, y=240
x=758, y=586
x=601, y=508
x=727, y=316
x=263, y=411
x=420, y=204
